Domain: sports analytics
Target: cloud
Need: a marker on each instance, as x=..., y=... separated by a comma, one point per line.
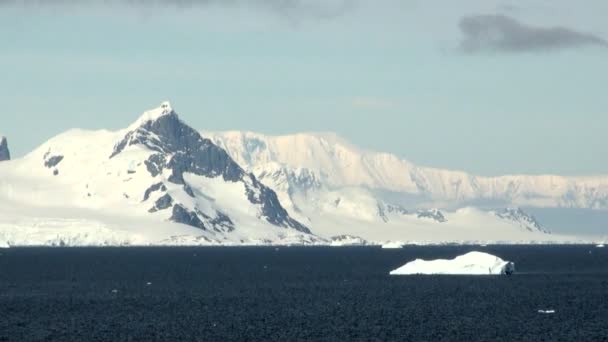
x=502, y=33
x=312, y=8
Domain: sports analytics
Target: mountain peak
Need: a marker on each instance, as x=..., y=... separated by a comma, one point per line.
x=175, y=151
x=152, y=115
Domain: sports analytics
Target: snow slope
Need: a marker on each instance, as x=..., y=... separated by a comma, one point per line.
x=156, y=182
x=338, y=163
x=473, y=263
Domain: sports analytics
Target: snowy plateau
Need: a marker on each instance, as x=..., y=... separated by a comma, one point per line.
x=472, y=263
x=161, y=182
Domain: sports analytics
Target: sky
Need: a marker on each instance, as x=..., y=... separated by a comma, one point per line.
x=490, y=87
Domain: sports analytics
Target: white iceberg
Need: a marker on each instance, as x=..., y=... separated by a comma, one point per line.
x=393, y=245
x=4, y=244
x=601, y=245
x=546, y=311
x=475, y=263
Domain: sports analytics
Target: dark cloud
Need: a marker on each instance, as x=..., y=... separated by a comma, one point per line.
x=502, y=33
x=314, y=8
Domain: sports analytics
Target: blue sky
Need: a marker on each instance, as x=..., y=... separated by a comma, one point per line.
x=407, y=77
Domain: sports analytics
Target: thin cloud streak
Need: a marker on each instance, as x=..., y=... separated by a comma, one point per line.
x=505, y=34
x=289, y=8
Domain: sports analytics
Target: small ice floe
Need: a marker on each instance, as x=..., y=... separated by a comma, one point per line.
x=114, y=291
x=473, y=263
x=601, y=245
x=549, y=311
x=392, y=245
x=148, y=283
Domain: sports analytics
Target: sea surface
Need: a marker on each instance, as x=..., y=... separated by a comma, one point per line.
x=298, y=294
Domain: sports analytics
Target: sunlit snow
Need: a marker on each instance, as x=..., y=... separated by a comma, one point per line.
x=473, y=263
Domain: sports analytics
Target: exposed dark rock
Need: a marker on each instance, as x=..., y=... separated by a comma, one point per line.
x=52, y=161
x=191, y=152
x=152, y=188
x=522, y=218
x=188, y=190
x=396, y=209
x=181, y=149
x=163, y=202
x=433, y=214
x=382, y=213
x=55, y=172
x=222, y=220
x=181, y=215
x=272, y=210
x=5, y=154
x=155, y=163
x=346, y=239
x=384, y=210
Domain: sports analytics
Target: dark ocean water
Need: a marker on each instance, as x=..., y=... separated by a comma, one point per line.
x=305, y=294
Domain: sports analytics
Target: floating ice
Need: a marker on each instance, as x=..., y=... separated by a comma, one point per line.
x=392, y=245
x=601, y=245
x=475, y=263
x=546, y=311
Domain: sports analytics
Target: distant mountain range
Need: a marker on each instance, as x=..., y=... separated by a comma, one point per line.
x=160, y=182
x=338, y=163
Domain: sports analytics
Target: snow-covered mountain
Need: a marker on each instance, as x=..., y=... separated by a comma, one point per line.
x=327, y=183
x=5, y=154
x=523, y=219
x=337, y=163
x=356, y=214
x=158, y=180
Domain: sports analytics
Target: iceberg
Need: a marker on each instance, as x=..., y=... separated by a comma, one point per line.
x=392, y=245
x=546, y=311
x=473, y=263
